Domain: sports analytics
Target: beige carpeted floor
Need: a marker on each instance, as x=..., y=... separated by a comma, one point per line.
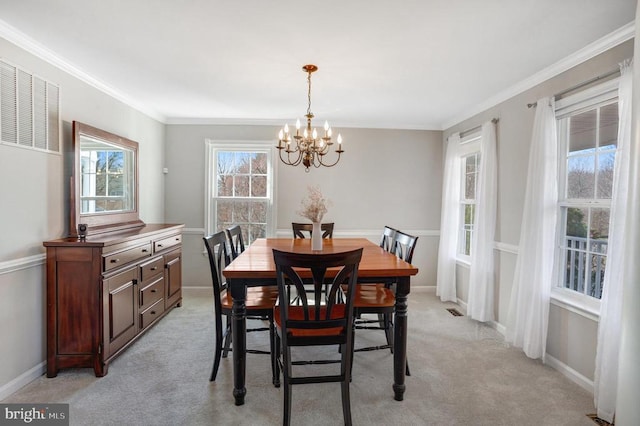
x=462, y=374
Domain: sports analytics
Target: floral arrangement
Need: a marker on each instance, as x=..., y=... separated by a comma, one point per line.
x=315, y=205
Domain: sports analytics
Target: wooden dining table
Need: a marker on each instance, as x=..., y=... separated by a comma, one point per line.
x=255, y=266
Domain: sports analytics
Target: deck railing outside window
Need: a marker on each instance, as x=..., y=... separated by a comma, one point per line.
x=585, y=264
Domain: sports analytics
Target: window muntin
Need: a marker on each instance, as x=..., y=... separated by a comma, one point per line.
x=241, y=189
x=587, y=140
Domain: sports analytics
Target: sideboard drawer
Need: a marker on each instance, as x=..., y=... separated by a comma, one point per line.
x=150, y=269
x=115, y=260
x=151, y=293
x=151, y=314
x=167, y=243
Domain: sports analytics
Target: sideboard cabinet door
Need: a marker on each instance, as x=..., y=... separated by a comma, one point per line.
x=173, y=277
x=120, y=310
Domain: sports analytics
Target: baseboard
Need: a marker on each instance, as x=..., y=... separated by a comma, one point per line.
x=22, y=380
x=197, y=291
x=423, y=289
x=462, y=304
x=569, y=373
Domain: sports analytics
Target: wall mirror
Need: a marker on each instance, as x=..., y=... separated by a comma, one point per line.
x=104, y=183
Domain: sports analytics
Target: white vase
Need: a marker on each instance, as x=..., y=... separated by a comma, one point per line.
x=316, y=237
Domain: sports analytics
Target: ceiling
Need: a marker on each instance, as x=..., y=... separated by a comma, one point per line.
x=408, y=64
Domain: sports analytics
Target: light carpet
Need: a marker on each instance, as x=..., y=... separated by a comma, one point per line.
x=462, y=374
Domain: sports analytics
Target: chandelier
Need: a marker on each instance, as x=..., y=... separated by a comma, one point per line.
x=307, y=148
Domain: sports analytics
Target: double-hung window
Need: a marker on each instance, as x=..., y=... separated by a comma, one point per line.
x=470, y=167
x=587, y=141
x=240, y=188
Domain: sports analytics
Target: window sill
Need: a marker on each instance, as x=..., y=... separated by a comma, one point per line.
x=465, y=263
x=585, y=306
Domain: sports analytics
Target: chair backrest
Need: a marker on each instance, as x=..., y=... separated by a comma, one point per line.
x=300, y=228
x=388, y=238
x=404, y=245
x=323, y=313
x=216, y=245
x=236, y=243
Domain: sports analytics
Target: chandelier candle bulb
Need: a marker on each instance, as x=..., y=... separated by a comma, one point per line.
x=309, y=149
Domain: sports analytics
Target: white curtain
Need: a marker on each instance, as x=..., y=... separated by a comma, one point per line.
x=606, y=372
x=528, y=315
x=449, y=222
x=481, y=281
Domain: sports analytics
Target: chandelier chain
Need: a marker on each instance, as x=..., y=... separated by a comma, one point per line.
x=309, y=94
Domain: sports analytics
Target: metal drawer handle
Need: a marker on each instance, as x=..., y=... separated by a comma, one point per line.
x=144, y=250
x=153, y=312
x=154, y=268
x=160, y=245
x=115, y=260
x=154, y=290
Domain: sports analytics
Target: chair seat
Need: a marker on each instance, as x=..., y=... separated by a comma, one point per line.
x=257, y=298
x=296, y=313
x=374, y=296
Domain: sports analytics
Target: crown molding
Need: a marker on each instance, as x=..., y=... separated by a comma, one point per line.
x=619, y=36
x=230, y=121
x=25, y=42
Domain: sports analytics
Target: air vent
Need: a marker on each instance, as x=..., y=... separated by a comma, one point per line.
x=454, y=312
x=598, y=420
x=29, y=110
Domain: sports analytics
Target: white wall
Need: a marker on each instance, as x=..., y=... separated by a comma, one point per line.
x=571, y=340
x=385, y=177
x=34, y=198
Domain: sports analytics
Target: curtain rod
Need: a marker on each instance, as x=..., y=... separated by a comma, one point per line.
x=474, y=129
x=580, y=85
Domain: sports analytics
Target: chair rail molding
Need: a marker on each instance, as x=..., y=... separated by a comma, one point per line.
x=9, y=266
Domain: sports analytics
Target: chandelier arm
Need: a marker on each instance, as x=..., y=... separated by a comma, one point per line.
x=288, y=160
x=329, y=165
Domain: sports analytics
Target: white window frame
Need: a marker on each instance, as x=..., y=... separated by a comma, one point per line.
x=469, y=145
x=211, y=149
x=589, y=99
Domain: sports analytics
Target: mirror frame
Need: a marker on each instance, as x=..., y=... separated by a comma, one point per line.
x=104, y=221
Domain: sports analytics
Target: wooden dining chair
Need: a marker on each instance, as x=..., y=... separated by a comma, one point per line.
x=312, y=323
x=236, y=241
x=387, y=243
x=259, y=304
x=380, y=299
x=387, y=239
x=303, y=230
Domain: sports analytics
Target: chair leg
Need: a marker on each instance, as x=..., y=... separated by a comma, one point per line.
x=286, y=354
x=275, y=368
x=388, y=330
x=218, y=349
x=345, y=384
x=227, y=338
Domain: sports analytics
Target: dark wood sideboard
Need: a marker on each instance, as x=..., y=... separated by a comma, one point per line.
x=107, y=290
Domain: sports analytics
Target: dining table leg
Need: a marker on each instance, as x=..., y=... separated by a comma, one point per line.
x=400, y=337
x=239, y=339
